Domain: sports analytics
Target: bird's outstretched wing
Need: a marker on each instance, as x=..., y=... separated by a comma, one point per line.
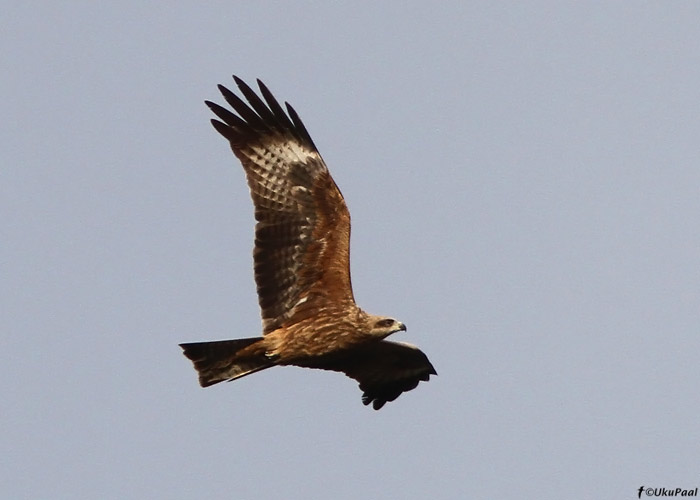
x=384, y=369
x=302, y=236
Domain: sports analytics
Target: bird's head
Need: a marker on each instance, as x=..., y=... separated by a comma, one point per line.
x=382, y=326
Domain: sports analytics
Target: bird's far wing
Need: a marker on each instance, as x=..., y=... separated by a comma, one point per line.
x=302, y=235
x=384, y=370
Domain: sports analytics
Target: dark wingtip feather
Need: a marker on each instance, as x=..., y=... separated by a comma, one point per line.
x=258, y=105
x=377, y=404
x=299, y=125
x=243, y=86
x=263, y=88
x=221, y=128
x=238, y=81
x=227, y=116
x=244, y=110
x=275, y=107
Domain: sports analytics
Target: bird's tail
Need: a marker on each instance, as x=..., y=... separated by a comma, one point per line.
x=226, y=359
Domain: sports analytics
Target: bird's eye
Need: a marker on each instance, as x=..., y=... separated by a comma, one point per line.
x=385, y=323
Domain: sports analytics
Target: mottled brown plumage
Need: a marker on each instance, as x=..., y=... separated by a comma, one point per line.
x=302, y=264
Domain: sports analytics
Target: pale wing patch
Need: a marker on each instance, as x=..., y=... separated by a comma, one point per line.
x=301, y=153
x=283, y=150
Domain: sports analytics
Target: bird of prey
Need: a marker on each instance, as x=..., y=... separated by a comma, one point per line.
x=302, y=264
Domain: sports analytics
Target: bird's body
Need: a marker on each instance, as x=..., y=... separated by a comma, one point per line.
x=302, y=265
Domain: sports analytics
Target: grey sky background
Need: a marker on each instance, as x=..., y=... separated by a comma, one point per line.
x=524, y=183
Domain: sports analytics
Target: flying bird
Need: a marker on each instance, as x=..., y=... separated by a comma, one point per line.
x=302, y=264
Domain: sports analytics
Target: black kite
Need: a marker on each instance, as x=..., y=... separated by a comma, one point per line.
x=302, y=264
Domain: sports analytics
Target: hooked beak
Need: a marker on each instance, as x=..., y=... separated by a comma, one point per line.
x=402, y=327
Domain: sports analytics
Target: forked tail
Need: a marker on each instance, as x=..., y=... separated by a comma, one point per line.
x=226, y=359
